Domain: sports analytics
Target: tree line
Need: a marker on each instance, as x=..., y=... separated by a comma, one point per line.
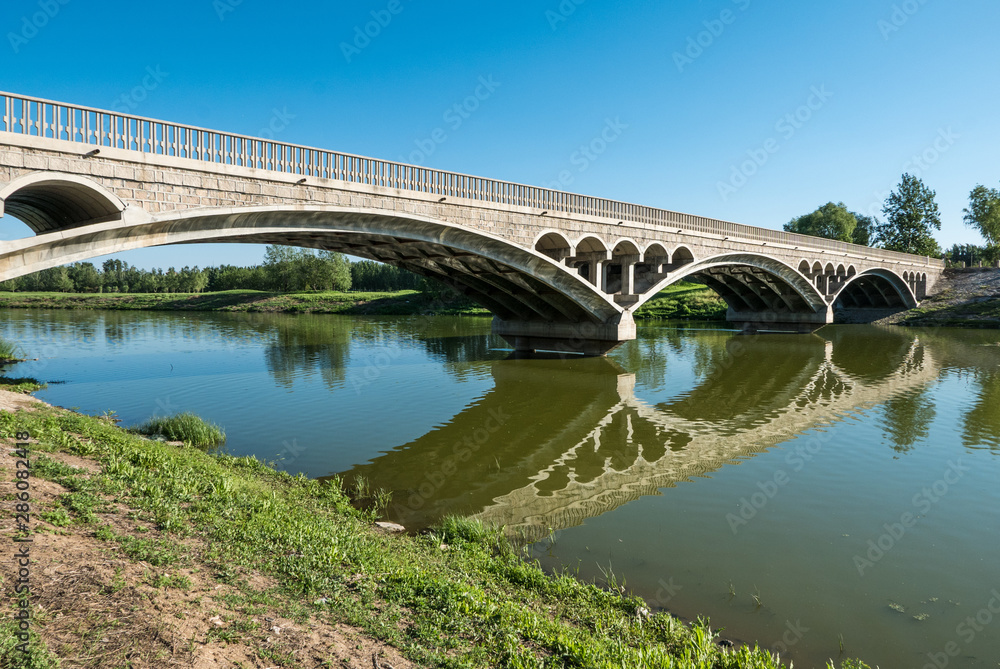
x=285, y=269
x=911, y=215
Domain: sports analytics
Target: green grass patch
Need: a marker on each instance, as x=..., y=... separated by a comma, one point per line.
x=684, y=301
x=10, y=351
x=186, y=427
x=12, y=655
x=399, y=303
x=22, y=385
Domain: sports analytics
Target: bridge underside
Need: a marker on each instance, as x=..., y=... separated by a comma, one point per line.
x=529, y=313
x=557, y=296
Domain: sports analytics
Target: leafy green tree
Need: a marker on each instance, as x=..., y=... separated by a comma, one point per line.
x=984, y=213
x=864, y=231
x=340, y=270
x=85, y=277
x=55, y=280
x=375, y=276
x=832, y=221
x=911, y=213
x=280, y=262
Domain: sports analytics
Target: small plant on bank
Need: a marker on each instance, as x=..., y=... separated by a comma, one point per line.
x=10, y=352
x=186, y=427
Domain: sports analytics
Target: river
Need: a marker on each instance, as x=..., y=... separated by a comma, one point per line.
x=815, y=493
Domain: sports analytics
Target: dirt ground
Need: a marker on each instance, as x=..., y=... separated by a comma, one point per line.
x=967, y=295
x=96, y=608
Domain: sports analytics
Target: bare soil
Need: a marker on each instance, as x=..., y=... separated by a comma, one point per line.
x=94, y=607
x=969, y=298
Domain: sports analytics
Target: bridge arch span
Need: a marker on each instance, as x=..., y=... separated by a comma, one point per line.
x=51, y=201
x=655, y=250
x=553, y=244
x=758, y=289
x=518, y=285
x=681, y=255
x=877, y=289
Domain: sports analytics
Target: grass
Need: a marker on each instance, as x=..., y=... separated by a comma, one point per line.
x=9, y=351
x=684, y=301
x=21, y=384
x=680, y=301
x=186, y=427
x=407, y=302
x=458, y=596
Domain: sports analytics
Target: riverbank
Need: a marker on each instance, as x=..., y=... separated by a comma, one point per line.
x=682, y=301
x=968, y=298
x=148, y=554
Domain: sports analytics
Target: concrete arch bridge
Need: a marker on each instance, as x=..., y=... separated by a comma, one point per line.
x=559, y=271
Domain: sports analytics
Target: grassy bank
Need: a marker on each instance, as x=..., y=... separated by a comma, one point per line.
x=683, y=301
x=316, y=302
x=148, y=554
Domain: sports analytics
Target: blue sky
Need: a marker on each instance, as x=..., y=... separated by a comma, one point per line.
x=743, y=110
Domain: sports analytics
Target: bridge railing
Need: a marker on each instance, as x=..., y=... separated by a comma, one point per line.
x=36, y=117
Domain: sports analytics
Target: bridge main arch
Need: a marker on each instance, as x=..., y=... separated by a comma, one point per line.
x=49, y=202
x=762, y=292
x=876, y=289
x=536, y=301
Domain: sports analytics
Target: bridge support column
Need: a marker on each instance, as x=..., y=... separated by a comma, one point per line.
x=580, y=338
x=628, y=264
x=776, y=321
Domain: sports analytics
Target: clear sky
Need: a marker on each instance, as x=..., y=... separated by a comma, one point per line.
x=827, y=101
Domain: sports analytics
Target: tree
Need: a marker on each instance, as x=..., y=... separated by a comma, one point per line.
x=55, y=280
x=831, y=221
x=864, y=232
x=911, y=212
x=85, y=277
x=280, y=263
x=984, y=213
x=340, y=270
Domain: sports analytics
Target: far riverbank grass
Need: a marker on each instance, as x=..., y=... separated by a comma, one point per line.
x=680, y=301
x=286, y=547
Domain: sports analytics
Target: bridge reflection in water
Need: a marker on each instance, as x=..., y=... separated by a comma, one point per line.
x=556, y=442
